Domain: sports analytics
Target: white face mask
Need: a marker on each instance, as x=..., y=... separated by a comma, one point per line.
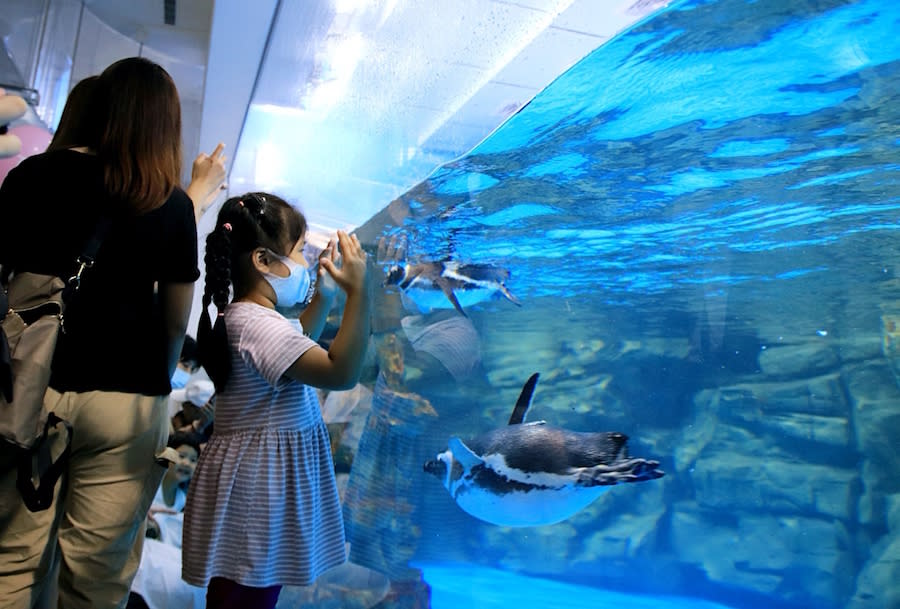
x=291, y=289
x=180, y=378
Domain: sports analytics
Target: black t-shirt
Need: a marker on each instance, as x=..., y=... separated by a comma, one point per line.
x=115, y=339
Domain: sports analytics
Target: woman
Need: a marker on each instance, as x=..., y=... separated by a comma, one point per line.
x=123, y=336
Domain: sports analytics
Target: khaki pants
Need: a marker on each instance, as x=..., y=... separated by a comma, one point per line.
x=94, y=530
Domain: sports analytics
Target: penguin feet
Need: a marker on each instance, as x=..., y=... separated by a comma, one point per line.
x=631, y=470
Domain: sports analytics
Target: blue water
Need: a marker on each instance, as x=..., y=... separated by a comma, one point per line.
x=455, y=586
x=699, y=220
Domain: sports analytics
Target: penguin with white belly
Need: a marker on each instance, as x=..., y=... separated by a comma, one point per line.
x=432, y=285
x=530, y=474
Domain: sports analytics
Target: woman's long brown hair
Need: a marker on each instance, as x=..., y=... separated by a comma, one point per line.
x=139, y=139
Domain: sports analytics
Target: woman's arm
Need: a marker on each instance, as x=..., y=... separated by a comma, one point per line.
x=207, y=179
x=176, y=299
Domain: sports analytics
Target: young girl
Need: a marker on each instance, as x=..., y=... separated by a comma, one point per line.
x=263, y=509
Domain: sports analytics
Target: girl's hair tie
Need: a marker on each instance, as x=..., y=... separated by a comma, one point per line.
x=227, y=226
x=241, y=203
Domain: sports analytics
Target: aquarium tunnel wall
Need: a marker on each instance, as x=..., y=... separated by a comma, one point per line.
x=690, y=236
x=698, y=221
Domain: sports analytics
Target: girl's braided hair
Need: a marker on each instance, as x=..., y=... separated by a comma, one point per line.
x=245, y=223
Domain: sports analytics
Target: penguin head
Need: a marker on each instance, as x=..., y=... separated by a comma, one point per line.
x=395, y=275
x=444, y=467
x=435, y=467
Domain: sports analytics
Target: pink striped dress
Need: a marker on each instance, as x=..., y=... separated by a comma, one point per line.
x=263, y=505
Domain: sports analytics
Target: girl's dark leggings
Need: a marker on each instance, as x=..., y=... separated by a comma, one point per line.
x=225, y=594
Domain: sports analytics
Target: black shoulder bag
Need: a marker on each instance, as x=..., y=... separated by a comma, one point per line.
x=32, y=306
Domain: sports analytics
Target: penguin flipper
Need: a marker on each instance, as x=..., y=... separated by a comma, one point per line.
x=464, y=454
x=451, y=296
x=505, y=291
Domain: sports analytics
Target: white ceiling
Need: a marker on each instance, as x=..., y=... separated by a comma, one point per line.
x=452, y=70
x=142, y=20
x=397, y=86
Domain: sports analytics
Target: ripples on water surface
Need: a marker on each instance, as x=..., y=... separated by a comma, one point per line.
x=719, y=143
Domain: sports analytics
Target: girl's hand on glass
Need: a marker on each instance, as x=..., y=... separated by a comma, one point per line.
x=325, y=283
x=351, y=276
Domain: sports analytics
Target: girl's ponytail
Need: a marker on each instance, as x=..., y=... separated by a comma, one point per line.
x=252, y=220
x=212, y=340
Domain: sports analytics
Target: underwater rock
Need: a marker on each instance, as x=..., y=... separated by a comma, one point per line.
x=876, y=417
x=739, y=471
x=892, y=503
x=831, y=431
x=798, y=360
x=515, y=552
x=809, y=418
x=407, y=594
x=876, y=586
x=859, y=348
x=876, y=423
x=698, y=432
x=762, y=552
x=529, y=474
x=890, y=341
x=786, y=428
x=631, y=531
x=817, y=395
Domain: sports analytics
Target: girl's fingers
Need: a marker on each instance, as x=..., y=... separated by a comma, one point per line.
x=330, y=266
x=351, y=249
x=347, y=246
x=332, y=245
x=353, y=242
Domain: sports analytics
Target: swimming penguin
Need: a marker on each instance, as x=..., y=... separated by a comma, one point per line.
x=460, y=283
x=529, y=474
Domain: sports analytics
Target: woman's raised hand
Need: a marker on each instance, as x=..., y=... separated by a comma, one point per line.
x=207, y=179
